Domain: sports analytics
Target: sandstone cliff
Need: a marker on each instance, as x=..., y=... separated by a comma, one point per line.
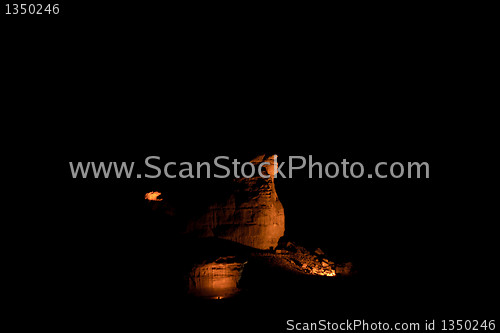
x=251, y=215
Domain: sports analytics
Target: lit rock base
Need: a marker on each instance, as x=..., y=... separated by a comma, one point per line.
x=216, y=280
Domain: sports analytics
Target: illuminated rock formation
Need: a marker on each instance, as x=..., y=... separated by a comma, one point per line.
x=216, y=280
x=251, y=215
x=153, y=196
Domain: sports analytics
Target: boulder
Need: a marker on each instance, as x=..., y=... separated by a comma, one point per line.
x=319, y=252
x=344, y=269
x=291, y=246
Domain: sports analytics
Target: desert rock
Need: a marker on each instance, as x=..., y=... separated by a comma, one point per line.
x=251, y=215
x=218, y=279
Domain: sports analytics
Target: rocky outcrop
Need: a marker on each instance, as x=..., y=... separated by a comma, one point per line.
x=251, y=214
x=310, y=262
x=217, y=280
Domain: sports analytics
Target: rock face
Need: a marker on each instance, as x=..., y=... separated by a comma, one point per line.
x=216, y=280
x=251, y=215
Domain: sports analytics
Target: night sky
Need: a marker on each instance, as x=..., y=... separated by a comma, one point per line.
x=113, y=88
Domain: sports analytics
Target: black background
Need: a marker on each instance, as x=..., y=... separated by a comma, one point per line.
x=120, y=83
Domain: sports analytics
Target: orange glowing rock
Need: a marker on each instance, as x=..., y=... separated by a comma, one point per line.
x=153, y=196
x=251, y=215
x=216, y=280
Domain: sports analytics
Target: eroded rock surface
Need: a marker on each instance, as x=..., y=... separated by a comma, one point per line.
x=251, y=215
x=218, y=279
